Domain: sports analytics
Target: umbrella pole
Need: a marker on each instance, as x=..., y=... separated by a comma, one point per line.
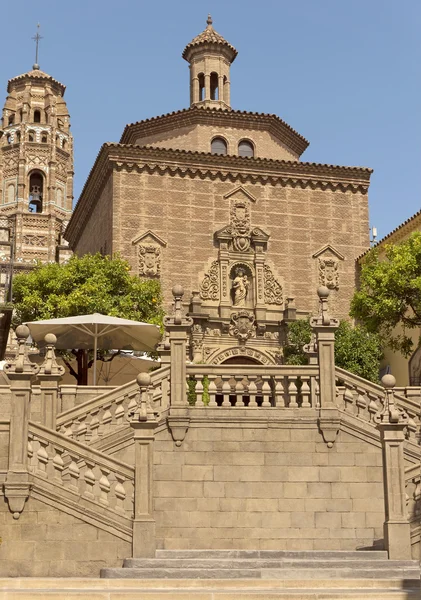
x=95, y=351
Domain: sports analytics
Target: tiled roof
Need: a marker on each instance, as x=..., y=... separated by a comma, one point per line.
x=393, y=233
x=209, y=36
x=36, y=74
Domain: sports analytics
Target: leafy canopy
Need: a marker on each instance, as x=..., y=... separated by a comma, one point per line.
x=92, y=283
x=356, y=350
x=390, y=293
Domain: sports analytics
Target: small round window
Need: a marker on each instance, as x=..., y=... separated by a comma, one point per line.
x=246, y=148
x=218, y=146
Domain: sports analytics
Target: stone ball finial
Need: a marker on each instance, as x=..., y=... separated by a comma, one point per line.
x=323, y=292
x=143, y=380
x=388, y=381
x=50, y=339
x=178, y=290
x=209, y=20
x=22, y=331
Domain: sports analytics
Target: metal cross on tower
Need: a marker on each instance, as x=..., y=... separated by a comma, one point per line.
x=37, y=37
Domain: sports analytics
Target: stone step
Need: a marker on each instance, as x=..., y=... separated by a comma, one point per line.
x=262, y=563
x=287, y=573
x=103, y=589
x=305, y=554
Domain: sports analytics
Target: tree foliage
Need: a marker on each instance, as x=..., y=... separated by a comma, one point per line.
x=92, y=283
x=389, y=293
x=356, y=349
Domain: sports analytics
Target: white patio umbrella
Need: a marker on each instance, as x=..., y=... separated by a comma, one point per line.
x=93, y=332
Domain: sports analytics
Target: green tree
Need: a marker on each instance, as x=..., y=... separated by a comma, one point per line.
x=356, y=349
x=389, y=293
x=92, y=283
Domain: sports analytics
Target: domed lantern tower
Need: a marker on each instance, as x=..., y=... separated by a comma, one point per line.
x=210, y=57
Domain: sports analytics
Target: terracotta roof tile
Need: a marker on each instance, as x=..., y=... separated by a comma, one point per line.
x=209, y=36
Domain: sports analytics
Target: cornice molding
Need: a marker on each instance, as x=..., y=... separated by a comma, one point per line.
x=182, y=163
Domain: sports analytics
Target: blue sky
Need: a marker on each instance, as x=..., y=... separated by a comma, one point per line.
x=345, y=74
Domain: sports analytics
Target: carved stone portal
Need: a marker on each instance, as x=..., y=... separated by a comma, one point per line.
x=242, y=325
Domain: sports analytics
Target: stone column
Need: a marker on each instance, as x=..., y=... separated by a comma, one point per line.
x=324, y=327
x=49, y=375
x=143, y=421
x=21, y=372
x=178, y=326
x=207, y=86
x=391, y=422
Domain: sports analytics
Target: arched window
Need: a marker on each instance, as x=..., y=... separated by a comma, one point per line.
x=18, y=137
x=21, y=115
x=246, y=148
x=44, y=138
x=214, y=90
x=9, y=139
x=201, y=78
x=10, y=193
x=219, y=146
x=31, y=136
x=37, y=116
x=59, y=196
x=64, y=144
x=46, y=117
x=36, y=191
x=11, y=119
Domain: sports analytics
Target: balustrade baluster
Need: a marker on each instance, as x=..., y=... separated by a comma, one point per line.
x=317, y=393
x=42, y=458
x=157, y=396
x=373, y=407
x=81, y=429
x=361, y=403
x=30, y=448
x=266, y=391
x=199, y=391
x=120, y=494
x=58, y=465
x=239, y=390
x=90, y=480
x=74, y=473
x=212, y=390
x=292, y=391
x=305, y=392
x=348, y=399
x=411, y=426
x=279, y=391
x=119, y=411
x=252, y=391
x=104, y=486
x=107, y=418
x=226, y=390
x=68, y=429
x=94, y=424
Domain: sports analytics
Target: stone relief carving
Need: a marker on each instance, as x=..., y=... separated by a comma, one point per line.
x=34, y=240
x=209, y=289
x=149, y=260
x=242, y=325
x=272, y=287
x=240, y=287
x=240, y=223
x=329, y=273
x=214, y=332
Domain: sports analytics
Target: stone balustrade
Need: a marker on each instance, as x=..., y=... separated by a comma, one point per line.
x=413, y=493
x=94, y=419
x=83, y=472
x=282, y=386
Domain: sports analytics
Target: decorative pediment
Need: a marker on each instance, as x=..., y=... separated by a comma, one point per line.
x=326, y=249
x=240, y=192
x=151, y=237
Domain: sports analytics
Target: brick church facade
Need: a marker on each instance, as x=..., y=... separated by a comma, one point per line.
x=218, y=199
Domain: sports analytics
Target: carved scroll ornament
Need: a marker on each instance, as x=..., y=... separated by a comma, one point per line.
x=273, y=289
x=209, y=289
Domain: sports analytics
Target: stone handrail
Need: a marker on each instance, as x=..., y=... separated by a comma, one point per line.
x=281, y=386
x=80, y=477
x=363, y=399
x=95, y=418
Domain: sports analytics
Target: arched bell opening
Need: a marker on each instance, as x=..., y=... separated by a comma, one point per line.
x=36, y=191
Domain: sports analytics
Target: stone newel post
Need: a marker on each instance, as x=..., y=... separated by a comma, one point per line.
x=391, y=422
x=143, y=421
x=324, y=327
x=178, y=327
x=49, y=376
x=21, y=371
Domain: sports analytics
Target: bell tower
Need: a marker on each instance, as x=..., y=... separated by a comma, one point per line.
x=210, y=57
x=36, y=168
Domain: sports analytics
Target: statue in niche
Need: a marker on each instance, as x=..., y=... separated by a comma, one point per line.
x=240, y=287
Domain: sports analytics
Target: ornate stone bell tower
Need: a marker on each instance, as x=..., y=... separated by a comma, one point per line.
x=36, y=169
x=210, y=57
